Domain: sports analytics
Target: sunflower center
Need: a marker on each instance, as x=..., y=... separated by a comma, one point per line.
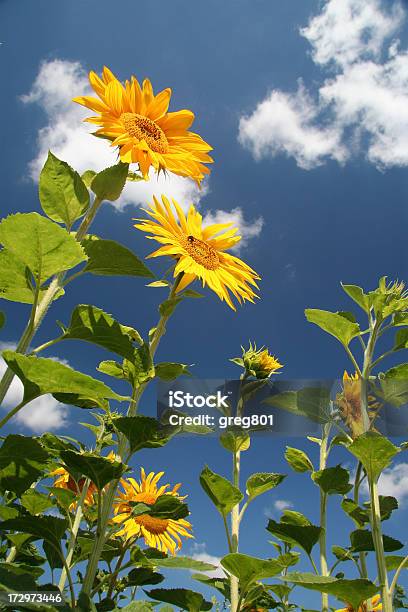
x=152, y=523
x=202, y=253
x=144, y=128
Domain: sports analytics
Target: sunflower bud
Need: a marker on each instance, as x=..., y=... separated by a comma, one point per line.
x=258, y=363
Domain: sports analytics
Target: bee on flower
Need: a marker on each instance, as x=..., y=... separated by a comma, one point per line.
x=200, y=252
x=158, y=532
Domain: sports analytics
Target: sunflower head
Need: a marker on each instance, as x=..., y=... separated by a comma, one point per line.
x=161, y=533
x=200, y=252
x=258, y=362
x=349, y=404
x=376, y=606
x=139, y=124
x=64, y=480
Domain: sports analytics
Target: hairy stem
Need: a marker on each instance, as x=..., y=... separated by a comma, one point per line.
x=379, y=548
x=324, y=570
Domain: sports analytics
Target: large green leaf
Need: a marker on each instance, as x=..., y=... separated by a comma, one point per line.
x=35, y=502
x=221, y=492
x=15, y=280
x=40, y=244
x=109, y=258
x=357, y=294
x=182, y=598
x=41, y=376
x=374, y=451
x=22, y=461
x=48, y=528
x=109, y=183
x=142, y=432
x=91, y=324
x=333, y=480
x=310, y=402
x=333, y=323
x=14, y=578
x=394, y=385
x=362, y=540
x=168, y=507
x=305, y=536
x=99, y=469
x=63, y=195
x=170, y=371
x=250, y=569
x=141, y=576
x=352, y=592
x=298, y=460
x=261, y=482
x=185, y=563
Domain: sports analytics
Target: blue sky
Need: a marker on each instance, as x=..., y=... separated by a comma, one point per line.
x=310, y=141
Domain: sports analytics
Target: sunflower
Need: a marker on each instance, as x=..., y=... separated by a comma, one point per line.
x=161, y=533
x=200, y=251
x=137, y=121
x=64, y=480
x=375, y=604
x=349, y=404
x=259, y=363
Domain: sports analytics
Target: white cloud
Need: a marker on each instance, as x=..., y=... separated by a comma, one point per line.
x=287, y=123
x=42, y=414
x=247, y=229
x=279, y=506
x=199, y=553
x=68, y=137
x=361, y=106
x=394, y=482
x=350, y=30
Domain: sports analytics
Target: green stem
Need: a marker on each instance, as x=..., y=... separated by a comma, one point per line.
x=324, y=570
x=235, y=599
x=109, y=496
x=40, y=309
x=394, y=582
x=379, y=547
x=74, y=533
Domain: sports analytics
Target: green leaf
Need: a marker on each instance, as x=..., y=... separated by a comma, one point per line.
x=304, y=536
x=48, y=528
x=87, y=177
x=22, y=462
x=109, y=184
x=400, y=318
x=63, y=195
x=64, y=497
x=41, y=376
x=357, y=294
x=40, y=244
x=93, y=325
x=168, y=507
x=221, y=492
x=35, y=502
x=167, y=307
x=141, y=369
x=185, y=563
x=112, y=368
x=333, y=480
x=333, y=323
x=353, y=592
x=15, y=279
x=137, y=606
x=170, y=371
x=342, y=554
x=359, y=516
x=250, y=569
x=401, y=339
x=394, y=385
x=189, y=293
x=375, y=453
x=298, y=460
x=142, y=432
x=387, y=505
x=235, y=441
x=393, y=562
x=182, y=598
x=261, y=482
x=14, y=578
x=311, y=402
x=109, y=258
x=362, y=540
x=99, y=469
x=141, y=576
